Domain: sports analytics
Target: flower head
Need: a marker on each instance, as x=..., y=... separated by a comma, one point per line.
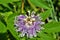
x=28, y=24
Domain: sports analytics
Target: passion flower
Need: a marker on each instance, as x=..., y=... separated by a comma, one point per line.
x=28, y=24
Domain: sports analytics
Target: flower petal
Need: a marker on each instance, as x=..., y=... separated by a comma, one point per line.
x=21, y=17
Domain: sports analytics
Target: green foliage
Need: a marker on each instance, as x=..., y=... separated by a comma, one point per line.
x=9, y=9
x=10, y=26
x=52, y=27
x=9, y=1
x=44, y=36
x=45, y=14
x=3, y=28
x=38, y=3
x=6, y=5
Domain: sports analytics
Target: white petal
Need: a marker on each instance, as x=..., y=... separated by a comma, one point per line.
x=42, y=22
x=42, y=28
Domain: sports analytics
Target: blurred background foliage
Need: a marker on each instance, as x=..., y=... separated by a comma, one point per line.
x=47, y=9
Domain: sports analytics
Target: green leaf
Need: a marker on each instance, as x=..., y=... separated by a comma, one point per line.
x=32, y=39
x=3, y=28
x=6, y=5
x=52, y=27
x=7, y=1
x=39, y=4
x=1, y=8
x=45, y=14
x=24, y=38
x=44, y=36
x=10, y=26
x=6, y=15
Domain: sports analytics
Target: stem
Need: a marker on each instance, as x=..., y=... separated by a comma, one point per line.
x=14, y=8
x=22, y=6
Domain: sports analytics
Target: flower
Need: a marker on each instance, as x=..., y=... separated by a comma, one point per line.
x=28, y=25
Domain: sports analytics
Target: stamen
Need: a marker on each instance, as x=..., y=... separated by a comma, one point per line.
x=28, y=13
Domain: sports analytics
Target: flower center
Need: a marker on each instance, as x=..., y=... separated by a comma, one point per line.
x=29, y=21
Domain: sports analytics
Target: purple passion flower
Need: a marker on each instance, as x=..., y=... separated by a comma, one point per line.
x=28, y=25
